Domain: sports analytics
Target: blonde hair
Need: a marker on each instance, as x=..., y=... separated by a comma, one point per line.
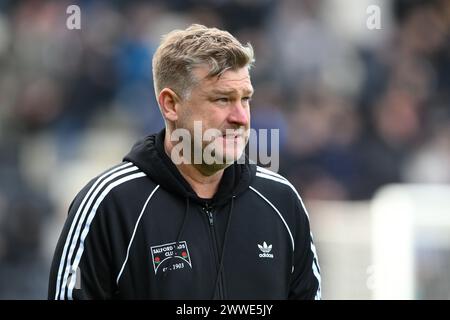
x=181, y=51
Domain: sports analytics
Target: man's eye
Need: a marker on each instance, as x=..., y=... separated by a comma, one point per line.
x=247, y=99
x=222, y=100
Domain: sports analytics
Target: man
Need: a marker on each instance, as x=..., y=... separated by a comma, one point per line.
x=172, y=225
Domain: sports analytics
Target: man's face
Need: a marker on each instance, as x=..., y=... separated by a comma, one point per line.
x=220, y=103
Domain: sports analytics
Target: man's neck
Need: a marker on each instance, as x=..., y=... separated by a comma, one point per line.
x=204, y=185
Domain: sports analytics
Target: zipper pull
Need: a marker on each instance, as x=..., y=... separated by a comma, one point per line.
x=208, y=210
x=210, y=216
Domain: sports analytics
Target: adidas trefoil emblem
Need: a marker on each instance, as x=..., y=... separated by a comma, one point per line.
x=265, y=249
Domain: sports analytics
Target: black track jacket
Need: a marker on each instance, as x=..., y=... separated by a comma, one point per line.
x=139, y=231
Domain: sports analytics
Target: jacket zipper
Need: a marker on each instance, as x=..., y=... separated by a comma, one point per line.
x=209, y=211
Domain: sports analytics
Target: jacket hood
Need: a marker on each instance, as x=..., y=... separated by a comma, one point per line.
x=149, y=155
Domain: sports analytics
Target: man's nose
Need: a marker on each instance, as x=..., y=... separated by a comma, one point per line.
x=239, y=114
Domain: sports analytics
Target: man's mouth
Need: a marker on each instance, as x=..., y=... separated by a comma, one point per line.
x=233, y=135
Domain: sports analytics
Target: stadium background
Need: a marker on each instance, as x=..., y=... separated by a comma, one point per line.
x=358, y=110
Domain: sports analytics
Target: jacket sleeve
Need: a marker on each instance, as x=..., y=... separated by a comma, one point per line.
x=80, y=267
x=305, y=279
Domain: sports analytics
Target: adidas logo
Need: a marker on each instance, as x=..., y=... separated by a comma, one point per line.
x=265, y=249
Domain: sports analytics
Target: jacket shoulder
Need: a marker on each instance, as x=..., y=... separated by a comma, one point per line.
x=277, y=191
x=122, y=179
x=274, y=185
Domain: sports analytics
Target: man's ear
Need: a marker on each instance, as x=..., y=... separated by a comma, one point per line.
x=168, y=102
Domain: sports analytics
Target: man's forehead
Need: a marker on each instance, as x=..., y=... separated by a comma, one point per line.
x=229, y=81
x=248, y=89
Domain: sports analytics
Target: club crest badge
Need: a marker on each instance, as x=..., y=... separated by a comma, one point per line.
x=177, y=253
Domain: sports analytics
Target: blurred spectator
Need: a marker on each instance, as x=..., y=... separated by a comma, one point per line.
x=23, y=214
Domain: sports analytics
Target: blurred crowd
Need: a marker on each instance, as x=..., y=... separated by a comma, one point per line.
x=356, y=108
